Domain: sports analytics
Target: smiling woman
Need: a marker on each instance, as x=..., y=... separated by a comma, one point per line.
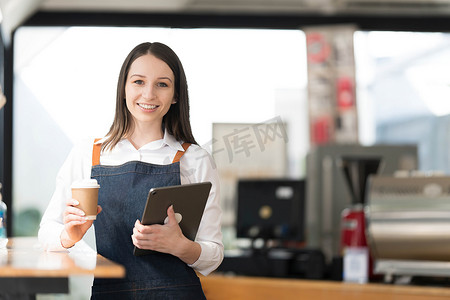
x=150, y=145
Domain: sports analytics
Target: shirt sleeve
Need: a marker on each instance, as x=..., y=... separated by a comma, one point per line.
x=197, y=165
x=76, y=166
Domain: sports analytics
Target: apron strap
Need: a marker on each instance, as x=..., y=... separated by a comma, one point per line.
x=96, y=149
x=181, y=153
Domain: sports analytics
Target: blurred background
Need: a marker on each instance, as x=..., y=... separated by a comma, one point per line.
x=247, y=63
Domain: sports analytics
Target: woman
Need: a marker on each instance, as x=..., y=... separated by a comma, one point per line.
x=150, y=144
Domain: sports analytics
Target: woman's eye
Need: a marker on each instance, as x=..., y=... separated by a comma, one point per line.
x=162, y=84
x=140, y=82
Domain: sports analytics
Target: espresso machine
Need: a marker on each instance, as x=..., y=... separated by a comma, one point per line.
x=328, y=192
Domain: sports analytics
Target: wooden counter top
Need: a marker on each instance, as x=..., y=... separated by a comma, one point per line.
x=24, y=257
x=218, y=287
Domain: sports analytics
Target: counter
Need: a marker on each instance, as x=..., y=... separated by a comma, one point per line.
x=26, y=269
x=219, y=287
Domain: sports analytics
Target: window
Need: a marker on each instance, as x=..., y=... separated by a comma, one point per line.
x=65, y=85
x=403, y=84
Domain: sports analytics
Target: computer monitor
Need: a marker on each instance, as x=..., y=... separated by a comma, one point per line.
x=271, y=209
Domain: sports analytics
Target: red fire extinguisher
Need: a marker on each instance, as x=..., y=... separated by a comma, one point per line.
x=353, y=227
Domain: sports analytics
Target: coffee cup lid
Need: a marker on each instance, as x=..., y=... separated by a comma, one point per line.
x=85, y=183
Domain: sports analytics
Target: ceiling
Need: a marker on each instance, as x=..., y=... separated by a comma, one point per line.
x=15, y=12
x=253, y=6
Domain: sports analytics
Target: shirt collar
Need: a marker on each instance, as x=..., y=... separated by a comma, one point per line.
x=168, y=140
x=171, y=141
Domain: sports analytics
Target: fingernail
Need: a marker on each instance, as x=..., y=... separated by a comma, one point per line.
x=76, y=202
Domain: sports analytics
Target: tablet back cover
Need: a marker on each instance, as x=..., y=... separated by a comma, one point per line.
x=188, y=200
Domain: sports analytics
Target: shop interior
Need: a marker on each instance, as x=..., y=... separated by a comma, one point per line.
x=327, y=120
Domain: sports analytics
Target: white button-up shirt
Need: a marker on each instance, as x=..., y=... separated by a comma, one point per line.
x=196, y=165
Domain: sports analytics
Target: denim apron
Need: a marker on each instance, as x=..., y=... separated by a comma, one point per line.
x=122, y=196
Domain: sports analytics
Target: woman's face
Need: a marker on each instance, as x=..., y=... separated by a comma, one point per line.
x=149, y=90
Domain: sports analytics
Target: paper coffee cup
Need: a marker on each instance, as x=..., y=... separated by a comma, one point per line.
x=86, y=192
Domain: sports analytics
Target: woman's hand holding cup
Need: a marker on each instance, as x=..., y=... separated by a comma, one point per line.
x=80, y=211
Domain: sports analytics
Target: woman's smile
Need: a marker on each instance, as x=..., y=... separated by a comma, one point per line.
x=148, y=107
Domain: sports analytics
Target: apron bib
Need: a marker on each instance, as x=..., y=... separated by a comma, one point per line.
x=122, y=196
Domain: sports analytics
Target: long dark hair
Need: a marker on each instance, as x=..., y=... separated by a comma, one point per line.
x=176, y=121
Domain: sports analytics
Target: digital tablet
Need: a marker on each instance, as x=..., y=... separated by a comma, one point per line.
x=188, y=202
